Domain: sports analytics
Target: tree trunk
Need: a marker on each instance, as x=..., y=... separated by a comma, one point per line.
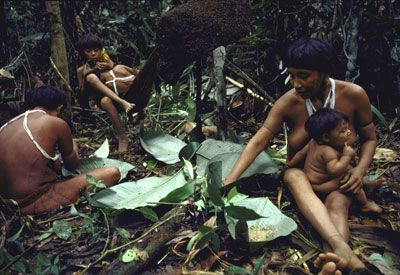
x=3, y=35
x=219, y=55
x=353, y=22
x=198, y=134
x=58, y=51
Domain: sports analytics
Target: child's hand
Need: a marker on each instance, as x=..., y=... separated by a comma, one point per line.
x=348, y=150
x=103, y=66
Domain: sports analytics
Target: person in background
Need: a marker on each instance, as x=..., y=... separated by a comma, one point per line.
x=114, y=86
x=30, y=170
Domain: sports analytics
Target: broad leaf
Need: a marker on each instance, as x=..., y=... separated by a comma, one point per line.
x=386, y=263
x=103, y=150
x=211, y=148
x=214, y=173
x=273, y=224
x=144, y=192
x=88, y=164
x=62, y=229
x=241, y=213
x=163, y=147
x=381, y=118
x=188, y=170
x=215, y=195
x=148, y=213
x=228, y=152
x=180, y=194
x=234, y=196
x=189, y=150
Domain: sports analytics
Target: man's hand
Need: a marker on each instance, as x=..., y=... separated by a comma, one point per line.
x=352, y=180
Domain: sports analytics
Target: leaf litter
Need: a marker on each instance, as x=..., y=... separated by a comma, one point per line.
x=75, y=238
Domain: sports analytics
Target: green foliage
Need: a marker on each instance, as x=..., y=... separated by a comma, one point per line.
x=94, y=183
x=148, y=213
x=44, y=266
x=380, y=116
x=239, y=270
x=163, y=147
x=62, y=229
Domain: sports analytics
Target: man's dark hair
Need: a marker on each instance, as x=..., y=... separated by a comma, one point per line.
x=312, y=54
x=49, y=97
x=323, y=121
x=89, y=41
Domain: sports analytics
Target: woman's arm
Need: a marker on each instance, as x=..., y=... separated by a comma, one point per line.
x=365, y=128
x=258, y=142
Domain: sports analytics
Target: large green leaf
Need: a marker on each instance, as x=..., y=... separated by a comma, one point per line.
x=144, y=192
x=180, y=194
x=228, y=152
x=211, y=148
x=103, y=150
x=381, y=118
x=273, y=224
x=88, y=164
x=163, y=147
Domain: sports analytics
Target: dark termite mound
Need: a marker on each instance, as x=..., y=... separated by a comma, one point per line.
x=192, y=30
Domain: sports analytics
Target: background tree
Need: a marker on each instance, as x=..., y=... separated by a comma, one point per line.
x=58, y=51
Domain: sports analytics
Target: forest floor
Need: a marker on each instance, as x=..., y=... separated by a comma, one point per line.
x=98, y=239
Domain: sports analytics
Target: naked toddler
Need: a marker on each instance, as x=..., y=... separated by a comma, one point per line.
x=328, y=156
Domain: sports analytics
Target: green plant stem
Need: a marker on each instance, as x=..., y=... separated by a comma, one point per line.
x=155, y=226
x=108, y=231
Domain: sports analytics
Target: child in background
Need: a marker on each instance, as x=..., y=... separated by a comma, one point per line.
x=328, y=156
x=97, y=60
x=96, y=74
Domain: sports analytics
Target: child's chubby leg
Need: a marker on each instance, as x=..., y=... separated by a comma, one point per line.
x=367, y=205
x=108, y=105
x=326, y=187
x=371, y=185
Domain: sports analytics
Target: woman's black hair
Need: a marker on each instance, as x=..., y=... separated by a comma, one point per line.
x=323, y=122
x=49, y=97
x=313, y=54
x=89, y=41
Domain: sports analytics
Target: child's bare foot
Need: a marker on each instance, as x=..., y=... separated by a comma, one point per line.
x=371, y=185
x=372, y=207
x=329, y=268
x=123, y=144
x=127, y=106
